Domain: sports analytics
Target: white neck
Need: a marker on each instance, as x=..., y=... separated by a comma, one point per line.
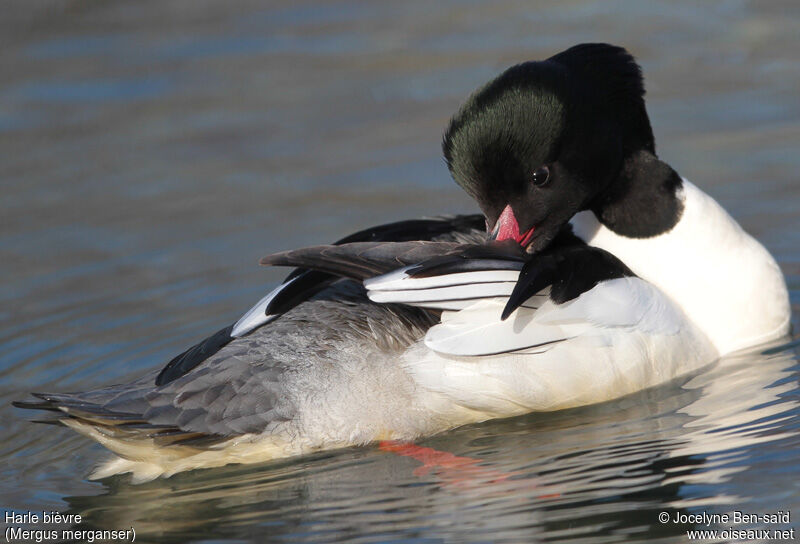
x=725, y=281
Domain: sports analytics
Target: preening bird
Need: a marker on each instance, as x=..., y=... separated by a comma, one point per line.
x=594, y=271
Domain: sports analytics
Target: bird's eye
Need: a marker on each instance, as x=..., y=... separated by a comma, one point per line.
x=541, y=176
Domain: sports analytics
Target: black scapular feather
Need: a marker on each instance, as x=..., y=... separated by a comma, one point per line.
x=570, y=270
x=183, y=363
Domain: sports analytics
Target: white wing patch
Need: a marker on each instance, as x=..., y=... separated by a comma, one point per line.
x=400, y=279
x=475, y=300
x=446, y=292
x=478, y=329
x=627, y=303
x=257, y=315
x=621, y=336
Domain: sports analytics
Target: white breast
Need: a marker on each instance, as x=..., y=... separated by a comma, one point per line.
x=723, y=279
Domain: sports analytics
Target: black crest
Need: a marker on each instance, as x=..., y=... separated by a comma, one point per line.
x=582, y=114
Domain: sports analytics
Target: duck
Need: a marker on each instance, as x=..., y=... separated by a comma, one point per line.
x=593, y=271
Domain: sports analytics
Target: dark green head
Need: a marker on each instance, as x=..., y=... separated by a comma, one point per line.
x=547, y=139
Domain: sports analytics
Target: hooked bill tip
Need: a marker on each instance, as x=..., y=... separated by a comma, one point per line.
x=507, y=228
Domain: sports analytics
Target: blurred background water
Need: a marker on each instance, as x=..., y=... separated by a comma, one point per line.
x=152, y=151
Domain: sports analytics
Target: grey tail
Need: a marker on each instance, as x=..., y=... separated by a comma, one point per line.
x=121, y=425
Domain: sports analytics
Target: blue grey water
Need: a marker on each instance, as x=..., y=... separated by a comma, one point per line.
x=152, y=152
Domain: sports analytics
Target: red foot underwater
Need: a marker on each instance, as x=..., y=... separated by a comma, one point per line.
x=455, y=471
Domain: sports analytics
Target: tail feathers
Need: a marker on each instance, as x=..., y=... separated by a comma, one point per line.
x=29, y=405
x=114, y=424
x=148, y=450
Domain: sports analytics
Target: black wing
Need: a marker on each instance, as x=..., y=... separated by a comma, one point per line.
x=363, y=260
x=568, y=266
x=301, y=284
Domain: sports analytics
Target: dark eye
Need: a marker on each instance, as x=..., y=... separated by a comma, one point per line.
x=541, y=176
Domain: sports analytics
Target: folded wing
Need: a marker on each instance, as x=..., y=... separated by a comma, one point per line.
x=302, y=284
x=497, y=298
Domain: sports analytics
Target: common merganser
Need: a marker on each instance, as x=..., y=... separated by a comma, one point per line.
x=594, y=271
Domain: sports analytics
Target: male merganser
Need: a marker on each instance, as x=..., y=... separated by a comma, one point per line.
x=604, y=272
